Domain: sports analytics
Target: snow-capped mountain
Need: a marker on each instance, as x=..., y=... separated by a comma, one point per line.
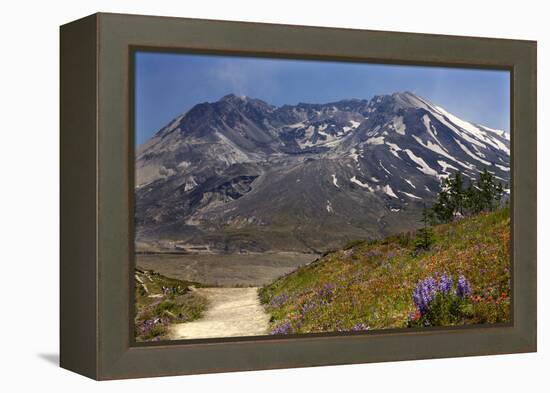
x=240, y=174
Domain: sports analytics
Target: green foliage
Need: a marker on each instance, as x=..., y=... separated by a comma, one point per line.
x=490, y=192
x=445, y=310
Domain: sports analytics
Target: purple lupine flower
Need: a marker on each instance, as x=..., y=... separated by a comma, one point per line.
x=307, y=307
x=279, y=301
x=326, y=293
x=463, y=289
x=283, y=328
x=360, y=327
x=326, y=290
x=147, y=325
x=445, y=284
x=424, y=293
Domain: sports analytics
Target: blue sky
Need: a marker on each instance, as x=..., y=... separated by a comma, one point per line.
x=170, y=84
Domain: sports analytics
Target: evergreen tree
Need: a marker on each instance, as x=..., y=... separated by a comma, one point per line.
x=454, y=199
x=490, y=192
x=456, y=192
x=424, y=235
x=444, y=207
x=472, y=202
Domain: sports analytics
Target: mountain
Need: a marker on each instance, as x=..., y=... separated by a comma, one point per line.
x=242, y=175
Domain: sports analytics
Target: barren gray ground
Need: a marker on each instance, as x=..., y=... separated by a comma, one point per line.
x=232, y=312
x=225, y=270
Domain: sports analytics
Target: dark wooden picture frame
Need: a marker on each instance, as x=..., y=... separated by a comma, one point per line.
x=97, y=161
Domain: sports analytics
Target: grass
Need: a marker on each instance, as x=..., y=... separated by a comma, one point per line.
x=161, y=301
x=369, y=284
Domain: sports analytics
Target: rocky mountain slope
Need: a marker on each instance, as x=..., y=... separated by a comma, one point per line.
x=241, y=175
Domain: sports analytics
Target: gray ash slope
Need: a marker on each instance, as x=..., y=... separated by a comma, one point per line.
x=242, y=175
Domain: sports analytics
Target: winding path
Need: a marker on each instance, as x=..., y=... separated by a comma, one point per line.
x=232, y=312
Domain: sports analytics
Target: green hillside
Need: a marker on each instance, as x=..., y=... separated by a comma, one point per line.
x=370, y=285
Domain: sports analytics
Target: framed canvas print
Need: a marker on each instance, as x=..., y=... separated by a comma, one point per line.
x=240, y=196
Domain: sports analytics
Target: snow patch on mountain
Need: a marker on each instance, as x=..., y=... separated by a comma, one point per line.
x=422, y=166
x=379, y=140
x=504, y=168
x=361, y=184
x=388, y=190
x=478, y=153
x=394, y=149
x=445, y=165
x=433, y=147
x=410, y=195
x=384, y=168
x=335, y=181
x=467, y=151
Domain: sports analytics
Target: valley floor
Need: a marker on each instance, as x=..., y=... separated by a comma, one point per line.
x=225, y=270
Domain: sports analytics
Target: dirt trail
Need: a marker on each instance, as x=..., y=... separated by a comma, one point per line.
x=232, y=312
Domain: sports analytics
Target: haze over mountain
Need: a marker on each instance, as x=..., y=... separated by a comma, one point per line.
x=241, y=175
